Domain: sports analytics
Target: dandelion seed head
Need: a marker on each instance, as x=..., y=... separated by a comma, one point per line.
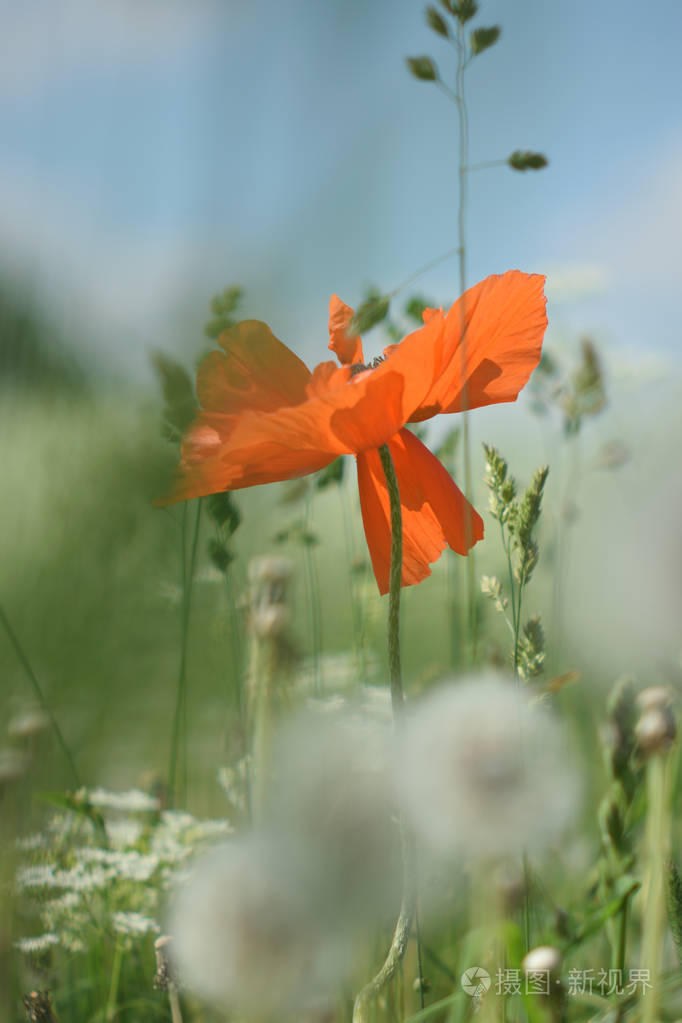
x=485, y=773
x=240, y=939
x=331, y=804
x=543, y=959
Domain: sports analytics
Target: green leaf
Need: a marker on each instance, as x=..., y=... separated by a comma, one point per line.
x=178, y=394
x=464, y=10
x=483, y=38
x=222, y=509
x=675, y=907
x=223, y=307
x=437, y=22
x=423, y=68
x=371, y=312
x=220, y=554
x=415, y=306
x=333, y=473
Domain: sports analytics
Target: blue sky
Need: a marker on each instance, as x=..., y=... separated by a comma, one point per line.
x=151, y=154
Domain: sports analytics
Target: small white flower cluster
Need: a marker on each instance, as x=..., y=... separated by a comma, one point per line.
x=83, y=889
x=133, y=801
x=134, y=924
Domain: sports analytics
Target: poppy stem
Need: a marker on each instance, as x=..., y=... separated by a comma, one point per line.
x=408, y=905
x=395, y=577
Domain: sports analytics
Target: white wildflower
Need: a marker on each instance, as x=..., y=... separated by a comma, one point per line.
x=31, y=843
x=125, y=833
x=32, y=946
x=134, y=924
x=41, y=875
x=134, y=801
x=484, y=772
x=78, y=879
x=131, y=865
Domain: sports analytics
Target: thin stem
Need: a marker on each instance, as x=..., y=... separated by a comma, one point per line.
x=422, y=270
x=486, y=164
x=110, y=1012
x=619, y=950
x=657, y=840
x=181, y=697
x=30, y=674
x=460, y=98
x=313, y=588
x=401, y=934
x=176, y=1015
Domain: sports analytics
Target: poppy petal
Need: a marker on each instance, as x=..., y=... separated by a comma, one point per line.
x=255, y=372
x=348, y=348
x=434, y=510
x=502, y=322
x=225, y=468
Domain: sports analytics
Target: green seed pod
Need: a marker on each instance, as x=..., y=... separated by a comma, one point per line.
x=423, y=68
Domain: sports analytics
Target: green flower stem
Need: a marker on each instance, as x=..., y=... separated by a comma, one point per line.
x=30, y=674
x=174, y=1001
x=110, y=1012
x=262, y=678
x=181, y=698
x=460, y=100
x=401, y=934
x=657, y=843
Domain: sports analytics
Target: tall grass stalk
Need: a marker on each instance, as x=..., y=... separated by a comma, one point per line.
x=110, y=1012
x=30, y=674
x=313, y=588
x=179, y=719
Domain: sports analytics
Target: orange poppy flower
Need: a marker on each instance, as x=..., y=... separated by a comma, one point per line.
x=265, y=417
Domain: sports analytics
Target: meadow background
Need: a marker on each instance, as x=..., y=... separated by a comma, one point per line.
x=150, y=157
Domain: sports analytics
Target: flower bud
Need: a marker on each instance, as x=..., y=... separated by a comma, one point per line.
x=28, y=725
x=270, y=620
x=655, y=731
x=654, y=697
x=543, y=959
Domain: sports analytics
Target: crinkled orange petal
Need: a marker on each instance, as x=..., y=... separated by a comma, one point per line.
x=348, y=348
x=255, y=372
x=229, y=468
x=228, y=453
x=491, y=342
x=434, y=510
x=326, y=377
